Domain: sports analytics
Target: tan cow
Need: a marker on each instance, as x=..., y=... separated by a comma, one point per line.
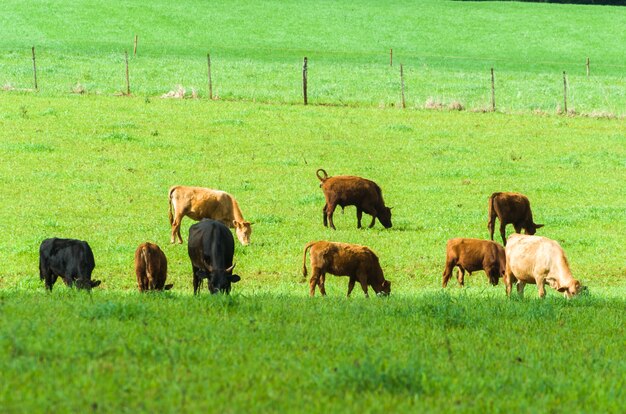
x=198, y=203
x=538, y=260
x=150, y=268
x=343, y=259
x=473, y=255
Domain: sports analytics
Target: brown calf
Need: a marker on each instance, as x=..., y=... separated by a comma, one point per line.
x=538, y=260
x=473, y=255
x=343, y=259
x=511, y=208
x=150, y=268
x=347, y=190
x=198, y=203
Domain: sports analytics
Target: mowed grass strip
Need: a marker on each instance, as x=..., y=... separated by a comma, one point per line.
x=447, y=49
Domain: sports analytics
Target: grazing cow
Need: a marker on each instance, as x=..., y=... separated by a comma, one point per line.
x=511, y=208
x=538, y=260
x=473, y=255
x=346, y=190
x=71, y=259
x=343, y=259
x=211, y=248
x=151, y=268
x=198, y=203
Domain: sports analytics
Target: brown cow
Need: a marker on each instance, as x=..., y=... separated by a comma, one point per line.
x=511, y=208
x=538, y=260
x=198, y=203
x=343, y=259
x=473, y=255
x=347, y=190
x=150, y=268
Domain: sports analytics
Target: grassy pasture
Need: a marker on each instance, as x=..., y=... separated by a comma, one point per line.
x=447, y=48
x=98, y=168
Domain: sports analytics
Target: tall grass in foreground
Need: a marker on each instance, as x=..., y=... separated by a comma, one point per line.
x=437, y=351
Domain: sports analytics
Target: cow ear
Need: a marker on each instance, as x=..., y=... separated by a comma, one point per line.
x=538, y=226
x=235, y=278
x=95, y=283
x=562, y=289
x=168, y=287
x=235, y=223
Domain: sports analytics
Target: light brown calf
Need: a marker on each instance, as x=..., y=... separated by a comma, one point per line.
x=473, y=255
x=198, y=203
x=343, y=259
x=150, y=268
x=538, y=260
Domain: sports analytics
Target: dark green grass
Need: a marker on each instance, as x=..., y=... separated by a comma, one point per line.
x=447, y=49
x=454, y=350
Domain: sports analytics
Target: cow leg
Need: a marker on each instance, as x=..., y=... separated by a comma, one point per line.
x=447, y=273
x=373, y=220
x=178, y=218
x=541, y=288
x=329, y=213
x=359, y=216
x=520, y=289
x=351, y=285
x=518, y=228
x=325, y=212
x=320, y=283
x=314, y=281
x=51, y=280
x=196, y=280
x=460, y=276
x=509, y=280
x=363, y=281
x=503, y=232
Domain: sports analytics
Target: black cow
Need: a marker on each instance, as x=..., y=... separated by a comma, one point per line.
x=71, y=259
x=211, y=248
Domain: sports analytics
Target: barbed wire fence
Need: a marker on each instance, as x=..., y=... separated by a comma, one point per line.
x=403, y=73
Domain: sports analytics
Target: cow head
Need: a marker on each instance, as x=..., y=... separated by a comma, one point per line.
x=532, y=229
x=385, y=288
x=574, y=288
x=222, y=279
x=86, y=284
x=385, y=217
x=243, y=230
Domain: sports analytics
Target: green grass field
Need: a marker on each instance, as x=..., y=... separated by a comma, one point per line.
x=98, y=167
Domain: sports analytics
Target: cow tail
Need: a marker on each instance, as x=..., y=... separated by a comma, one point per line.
x=170, y=214
x=492, y=208
x=307, y=247
x=319, y=177
x=146, y=263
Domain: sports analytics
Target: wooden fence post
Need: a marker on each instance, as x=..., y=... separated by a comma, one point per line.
x=304, y=80
x=565, y=92
x=402, y=85
x=587, y=67
x=493, y=92
x=127, y=77
x=208, y=59
x=390, y=57
x=34, y=68
x=135, y=48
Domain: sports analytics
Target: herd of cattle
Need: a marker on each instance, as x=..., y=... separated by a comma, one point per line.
x=524, y=259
